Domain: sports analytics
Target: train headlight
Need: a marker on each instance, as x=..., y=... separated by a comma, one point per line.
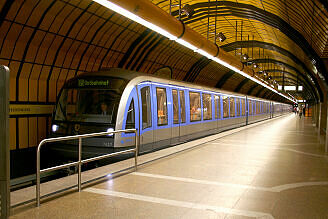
x=110, y=130
x=54, y=128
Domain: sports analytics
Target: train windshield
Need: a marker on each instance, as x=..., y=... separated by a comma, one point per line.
x=89, y=104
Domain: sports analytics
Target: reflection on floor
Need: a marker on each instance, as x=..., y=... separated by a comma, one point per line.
x=274, y=170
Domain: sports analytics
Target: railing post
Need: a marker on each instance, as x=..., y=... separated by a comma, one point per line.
x=137, y=149
x=79, y=165
x=38, y=175
x=79, y=162
x=4, y=143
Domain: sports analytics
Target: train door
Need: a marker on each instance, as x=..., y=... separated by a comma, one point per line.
x=162, y=119
x=146, y=116
x=182, y=115
x=247, y=110
x=178, y=114
x=217, y=110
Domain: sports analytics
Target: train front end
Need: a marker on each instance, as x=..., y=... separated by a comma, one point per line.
x=86, y=105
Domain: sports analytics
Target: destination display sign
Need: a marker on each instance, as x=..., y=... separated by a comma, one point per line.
x=93, y=83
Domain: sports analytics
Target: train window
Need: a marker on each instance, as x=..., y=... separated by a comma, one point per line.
x=161, y=106
x=242, y=107
x=257, y=107
x=225, y=100
x=195, y=108
x=182, y=106
x=238, y=106
x=71, y=102
x=207, y=106
x=268, y=107
x=232, y=107
x=264, y=108
x=175, y=106
x=130, y=120
x=250, y=108
x=217, y=106
x=146, y=107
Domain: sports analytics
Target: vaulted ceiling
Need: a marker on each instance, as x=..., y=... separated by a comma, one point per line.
x=46, y=42
x=282, y=37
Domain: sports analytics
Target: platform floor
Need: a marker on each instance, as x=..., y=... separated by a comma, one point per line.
x=277, y=169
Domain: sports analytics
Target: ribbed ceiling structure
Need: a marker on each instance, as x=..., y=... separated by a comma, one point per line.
x=280, y=36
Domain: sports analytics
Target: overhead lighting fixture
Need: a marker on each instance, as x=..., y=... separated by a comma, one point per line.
x=244, y=57
x=163, y=32
x=135, y=18
x=269, y=77
x=188, y=10
x=221, y=37
x=264, y=73
x=255, y=65
x=291, y=88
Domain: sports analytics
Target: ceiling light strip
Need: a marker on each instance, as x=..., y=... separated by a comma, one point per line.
x=170, y=36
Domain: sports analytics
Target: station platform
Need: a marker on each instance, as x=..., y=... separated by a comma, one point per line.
x=273, y=169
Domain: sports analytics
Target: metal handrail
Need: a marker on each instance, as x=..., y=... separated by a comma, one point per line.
x=80, y=161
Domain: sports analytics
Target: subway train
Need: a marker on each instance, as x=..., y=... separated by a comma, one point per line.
x=165, y=112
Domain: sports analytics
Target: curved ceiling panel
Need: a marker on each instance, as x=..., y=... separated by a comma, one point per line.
x=297, y=31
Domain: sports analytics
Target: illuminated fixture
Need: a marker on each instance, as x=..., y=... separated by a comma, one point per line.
x=110, y=130
x=255, y=65
x=221, y=37
x=290, y=88
x=264, y=73
x=260, y=72
x=188, y=10
x=269, y=77
x=170, y=36
x=244, y=57
x=54, y=128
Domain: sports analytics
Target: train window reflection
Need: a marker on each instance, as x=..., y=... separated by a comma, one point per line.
x=232, y=107
x=161, y=106
x=146, y=107
x=175, y=106
x=242, y=107
x=238, y=106
x=207, y=106
x=225, y=100
x=195, y=111
x=182, y=106
x=257, y=107
x=130, y=119
x=250, y=108
x=216, y=106
x=87, y=105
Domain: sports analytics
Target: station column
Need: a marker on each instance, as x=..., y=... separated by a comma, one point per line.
x=4, y=143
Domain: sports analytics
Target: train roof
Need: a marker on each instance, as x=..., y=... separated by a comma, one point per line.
x=137, y=77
